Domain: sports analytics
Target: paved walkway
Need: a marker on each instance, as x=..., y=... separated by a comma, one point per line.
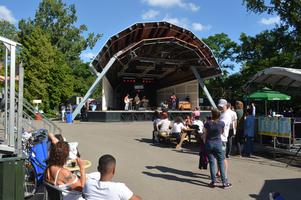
x=161, y=173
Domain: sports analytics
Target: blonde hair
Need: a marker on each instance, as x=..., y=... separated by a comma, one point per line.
x=239, y=105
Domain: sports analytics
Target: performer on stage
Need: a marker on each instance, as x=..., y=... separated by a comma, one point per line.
x=137, y=102
x=127, y=101
x=173, y=100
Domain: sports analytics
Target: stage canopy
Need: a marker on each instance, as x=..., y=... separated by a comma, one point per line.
x=287, y=77
x=157, y=50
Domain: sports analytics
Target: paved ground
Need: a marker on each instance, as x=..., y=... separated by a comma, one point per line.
x=161, y=173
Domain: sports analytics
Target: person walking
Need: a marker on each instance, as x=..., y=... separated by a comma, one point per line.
x=213, y=130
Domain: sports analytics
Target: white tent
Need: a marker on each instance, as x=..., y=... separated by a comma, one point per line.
x=287, y=77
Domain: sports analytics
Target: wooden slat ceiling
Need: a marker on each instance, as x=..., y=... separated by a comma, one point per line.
x=158, y=50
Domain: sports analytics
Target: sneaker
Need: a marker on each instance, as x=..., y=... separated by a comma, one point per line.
x=212, y=184
x=227, y=185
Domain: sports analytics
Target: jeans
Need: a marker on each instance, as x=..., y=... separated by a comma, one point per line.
x=173, y=105
x=126, y=107
x=249, y=146
x=229, y=143
x=214, y=151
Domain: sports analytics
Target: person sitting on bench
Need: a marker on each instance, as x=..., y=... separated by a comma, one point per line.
x=163, y=126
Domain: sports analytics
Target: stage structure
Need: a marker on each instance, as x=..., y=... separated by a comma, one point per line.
x=154, y=60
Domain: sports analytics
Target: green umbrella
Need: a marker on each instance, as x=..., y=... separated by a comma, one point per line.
x=268, y=95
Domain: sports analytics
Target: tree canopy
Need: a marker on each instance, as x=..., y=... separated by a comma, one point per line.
x=52, y=44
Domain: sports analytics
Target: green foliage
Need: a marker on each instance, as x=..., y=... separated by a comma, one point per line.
x=9, y=31
x=52, y=47
x=58, y=19
x=223, y=49
x=47, y=75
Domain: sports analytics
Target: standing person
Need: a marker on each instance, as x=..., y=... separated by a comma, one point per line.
x=173, y=100
x=137, y=102
x=103, y=188
x=225, y=117
x=213, y=130
x=63, y=111
x=253, y=109
x=126, y=101
x=239, y=137
x=249, y=131
x=232, y=130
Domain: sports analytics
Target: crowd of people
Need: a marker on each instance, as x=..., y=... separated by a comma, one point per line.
x=226, y=125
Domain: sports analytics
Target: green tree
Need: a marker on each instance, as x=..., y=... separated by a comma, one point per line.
x=224, y=50
x=47, y=75
x=9, y=31
x=58, y=19
x=66, y=41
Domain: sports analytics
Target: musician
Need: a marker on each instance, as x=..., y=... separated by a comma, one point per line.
x=137, y=102
x=127, y=101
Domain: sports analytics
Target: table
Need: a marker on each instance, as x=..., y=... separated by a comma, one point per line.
x=76, y=167
x=188, y=131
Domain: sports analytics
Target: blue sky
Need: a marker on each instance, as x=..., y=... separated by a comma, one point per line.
x=202, y=17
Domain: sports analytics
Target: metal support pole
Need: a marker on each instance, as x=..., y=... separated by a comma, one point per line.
x=12, y=97
x=20, y=110
x=203, y=86
x=5, y=94
x=94, y=85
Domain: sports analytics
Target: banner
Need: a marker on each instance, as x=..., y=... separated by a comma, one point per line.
x=273, y=126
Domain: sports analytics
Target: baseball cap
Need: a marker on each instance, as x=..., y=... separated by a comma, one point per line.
x=222, y=102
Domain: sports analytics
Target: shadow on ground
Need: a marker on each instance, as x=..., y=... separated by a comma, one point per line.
x=288, y=188
x=188, y=147
x=173, y=174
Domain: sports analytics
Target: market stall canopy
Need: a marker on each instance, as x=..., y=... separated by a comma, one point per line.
x=287, y=77
x=158, y=50
x=268, y=95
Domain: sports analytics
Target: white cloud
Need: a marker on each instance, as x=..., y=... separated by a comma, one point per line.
x=200, y=27
x=6, y=14
x=183, y=22
x=172, y=3
x=150, y=14
x=88, y=55
x=270, y=21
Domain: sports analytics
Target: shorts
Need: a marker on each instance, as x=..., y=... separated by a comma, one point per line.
x=176, y=135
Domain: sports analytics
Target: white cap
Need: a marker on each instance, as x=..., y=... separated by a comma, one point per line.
x=222, y=102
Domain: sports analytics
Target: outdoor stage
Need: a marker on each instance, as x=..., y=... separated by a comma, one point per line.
x=133, y=115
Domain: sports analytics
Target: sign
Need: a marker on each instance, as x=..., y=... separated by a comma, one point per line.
x=37, y=101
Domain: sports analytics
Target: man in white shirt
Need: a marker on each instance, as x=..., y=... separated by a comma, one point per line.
x=226, y=117
x=232, y=130
x=163, y=126
x=104, y=188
